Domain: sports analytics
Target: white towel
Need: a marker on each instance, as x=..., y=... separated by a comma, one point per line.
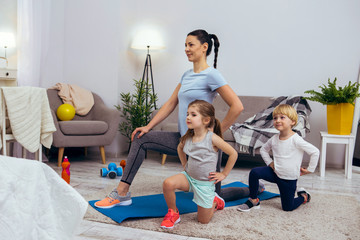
x=36, y=203
x=30, y=116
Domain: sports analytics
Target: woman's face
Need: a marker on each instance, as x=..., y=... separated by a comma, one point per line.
x=194, y=49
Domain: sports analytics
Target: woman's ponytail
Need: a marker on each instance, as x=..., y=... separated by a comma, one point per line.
x=216, y=47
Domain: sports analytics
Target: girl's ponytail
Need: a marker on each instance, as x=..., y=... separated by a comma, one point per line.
x=217, y=128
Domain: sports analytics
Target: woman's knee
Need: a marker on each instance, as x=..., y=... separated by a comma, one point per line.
x=139, y=141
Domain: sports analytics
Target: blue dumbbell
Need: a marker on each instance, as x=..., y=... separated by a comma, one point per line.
x=112, y=172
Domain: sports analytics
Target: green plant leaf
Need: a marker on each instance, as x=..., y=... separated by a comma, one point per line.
x=136, y=108
x=330, y=94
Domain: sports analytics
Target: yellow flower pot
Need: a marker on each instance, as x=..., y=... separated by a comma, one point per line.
x=340, y=118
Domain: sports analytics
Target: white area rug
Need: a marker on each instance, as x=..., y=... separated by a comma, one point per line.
x=325, y=217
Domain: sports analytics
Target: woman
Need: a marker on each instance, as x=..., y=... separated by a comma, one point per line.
x=202, y=82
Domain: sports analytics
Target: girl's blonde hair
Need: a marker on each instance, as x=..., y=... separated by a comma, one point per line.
x=289, y=111
x=206, y=110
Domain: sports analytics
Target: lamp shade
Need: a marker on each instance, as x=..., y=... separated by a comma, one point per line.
x=148, y=37
x=7, y=40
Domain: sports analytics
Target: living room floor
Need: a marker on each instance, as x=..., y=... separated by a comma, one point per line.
x=85, y=178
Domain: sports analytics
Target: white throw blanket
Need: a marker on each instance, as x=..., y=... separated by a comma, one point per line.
x=35, y=203
x=30, y=116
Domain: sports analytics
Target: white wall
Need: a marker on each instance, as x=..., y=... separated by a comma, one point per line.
x=8, y=23
x=269, y=48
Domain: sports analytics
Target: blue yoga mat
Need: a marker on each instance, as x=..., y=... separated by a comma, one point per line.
x=155, y=205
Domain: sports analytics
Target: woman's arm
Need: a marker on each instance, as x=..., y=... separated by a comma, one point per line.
x=229, y=150
x=163, y=113
x=181, y=154
x=236, y=107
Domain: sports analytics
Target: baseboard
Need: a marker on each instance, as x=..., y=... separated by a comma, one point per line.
x=96, y=152
x=93, y=151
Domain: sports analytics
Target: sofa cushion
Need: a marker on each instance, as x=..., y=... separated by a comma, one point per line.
x=85, y=127
x=170, y=127
x=252, y=105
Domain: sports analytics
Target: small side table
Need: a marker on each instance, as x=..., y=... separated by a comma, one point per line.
x=348, y=140
x=8, y=77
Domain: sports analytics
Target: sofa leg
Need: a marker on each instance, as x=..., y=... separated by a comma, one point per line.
x=163, y=159
x=47, y=152
x=102, y=152
x=60, y=156
x=23, y=152
x=85, y=151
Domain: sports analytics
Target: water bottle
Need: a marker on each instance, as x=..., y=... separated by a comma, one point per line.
x=66, y=170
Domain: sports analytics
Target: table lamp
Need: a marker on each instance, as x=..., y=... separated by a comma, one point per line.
x=7, y=40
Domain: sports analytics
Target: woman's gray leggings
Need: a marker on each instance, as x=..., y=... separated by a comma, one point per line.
x=167, y=142
x=163, y=142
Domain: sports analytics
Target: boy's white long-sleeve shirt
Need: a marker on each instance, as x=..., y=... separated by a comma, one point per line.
x=288, y=155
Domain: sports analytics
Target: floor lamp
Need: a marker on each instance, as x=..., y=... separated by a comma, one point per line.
x=146, y=38
x=145, y=76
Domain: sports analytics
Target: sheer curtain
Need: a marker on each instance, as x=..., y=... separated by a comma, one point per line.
x=32, y=43
x=33, y=40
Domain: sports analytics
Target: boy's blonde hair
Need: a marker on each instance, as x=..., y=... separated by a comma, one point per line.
x=289, y=111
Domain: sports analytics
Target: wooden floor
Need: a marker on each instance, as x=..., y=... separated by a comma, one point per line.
x=86, y=180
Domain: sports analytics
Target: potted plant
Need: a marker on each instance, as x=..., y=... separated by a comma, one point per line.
x=340, y=105
x=136, y=108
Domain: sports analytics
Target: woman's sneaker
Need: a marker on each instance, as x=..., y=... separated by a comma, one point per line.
x=248, y=205
x=170, y=219
x=113, y=200
x=302, y=191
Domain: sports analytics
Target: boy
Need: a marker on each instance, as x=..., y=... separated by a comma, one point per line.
x=285, y=167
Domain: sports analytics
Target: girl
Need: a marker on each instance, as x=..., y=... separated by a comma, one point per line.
x=200, y=82
x=199, y=175
x=285, y=168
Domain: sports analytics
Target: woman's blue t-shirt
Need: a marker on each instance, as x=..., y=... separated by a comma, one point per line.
x=195, y=86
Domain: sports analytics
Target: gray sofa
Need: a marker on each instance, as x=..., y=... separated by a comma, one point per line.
x=97, y=128
x=252, y=105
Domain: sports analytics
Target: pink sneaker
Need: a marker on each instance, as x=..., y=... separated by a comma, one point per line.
x=220, y=203
x=170, y=219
